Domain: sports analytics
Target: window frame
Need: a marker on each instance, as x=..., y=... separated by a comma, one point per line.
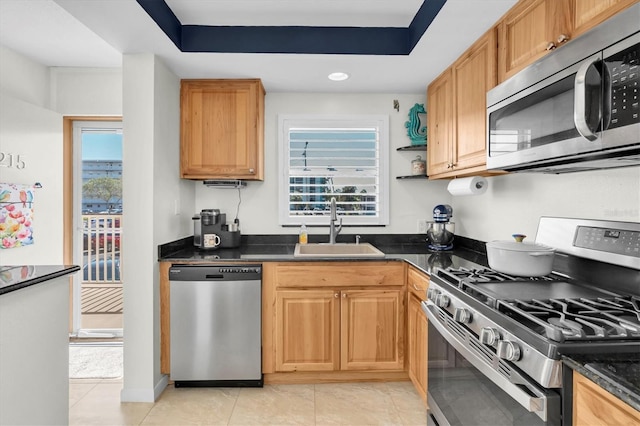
x=288, y=121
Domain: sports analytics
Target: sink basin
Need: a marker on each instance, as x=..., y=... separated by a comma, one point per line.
x=337, y=250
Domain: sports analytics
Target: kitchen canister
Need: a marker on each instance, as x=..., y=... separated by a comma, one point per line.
x=418, y=166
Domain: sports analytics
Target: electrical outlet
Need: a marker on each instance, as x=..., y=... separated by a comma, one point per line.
x=422, y=226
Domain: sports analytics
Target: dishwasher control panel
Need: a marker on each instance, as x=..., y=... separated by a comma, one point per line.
x=196, y=272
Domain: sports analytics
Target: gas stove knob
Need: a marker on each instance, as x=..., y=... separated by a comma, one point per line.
x=508, y=350
x=442, y=300
x=462, y=315
x=432, y=293
x=489, y=335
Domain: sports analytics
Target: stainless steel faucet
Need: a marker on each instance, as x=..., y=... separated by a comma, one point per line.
x=333, y=232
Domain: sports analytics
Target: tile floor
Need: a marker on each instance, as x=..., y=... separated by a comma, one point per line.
x=94, y=402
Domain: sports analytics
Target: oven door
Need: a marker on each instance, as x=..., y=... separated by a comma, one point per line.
x=472, y=391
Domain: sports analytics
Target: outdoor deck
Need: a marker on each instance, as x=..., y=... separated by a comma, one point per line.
x=101, y=298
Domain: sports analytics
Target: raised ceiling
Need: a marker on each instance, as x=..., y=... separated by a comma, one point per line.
x=387, y=46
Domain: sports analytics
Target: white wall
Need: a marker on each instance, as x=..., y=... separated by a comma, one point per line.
x=514, y=203
x=30, y=130
x=86, y=91
x=151, y=186
x=22, y=78
x=410, y=199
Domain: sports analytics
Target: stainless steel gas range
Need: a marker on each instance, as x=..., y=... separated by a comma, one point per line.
x=509, y=332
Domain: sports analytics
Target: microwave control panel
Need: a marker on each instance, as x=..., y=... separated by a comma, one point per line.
x=624, y=74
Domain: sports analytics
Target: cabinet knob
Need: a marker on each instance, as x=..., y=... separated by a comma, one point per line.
x=344, y=295
x=551, y=46
x=336, y=295
x=252, y=171
x=562, y=38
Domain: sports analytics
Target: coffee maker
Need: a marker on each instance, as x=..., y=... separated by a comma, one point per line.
x=210, y=230
x=440, y=231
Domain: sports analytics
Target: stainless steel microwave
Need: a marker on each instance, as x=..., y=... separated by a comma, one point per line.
x=575, y=109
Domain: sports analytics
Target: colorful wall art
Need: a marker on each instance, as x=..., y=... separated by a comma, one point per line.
x=16, y=215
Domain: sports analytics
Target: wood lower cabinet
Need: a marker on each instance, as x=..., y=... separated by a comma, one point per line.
x=334, y=316
x=417, y=331
x=308, y=330
x=592, y=405
x=222, y=129
x=372, y=326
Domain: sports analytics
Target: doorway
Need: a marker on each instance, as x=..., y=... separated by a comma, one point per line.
x=93, y=208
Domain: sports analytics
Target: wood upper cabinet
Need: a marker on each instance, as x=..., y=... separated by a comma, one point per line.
x=440, y=125
x=528, y=31
x=586, y=14
x=533, y=28
x=222, y=129
x=457, y=109
x=474, y=74
x=592, y=405
x=417, y=330
x=326, y=319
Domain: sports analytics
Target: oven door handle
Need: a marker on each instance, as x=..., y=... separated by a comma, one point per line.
x=580, y=100
x=540, y=404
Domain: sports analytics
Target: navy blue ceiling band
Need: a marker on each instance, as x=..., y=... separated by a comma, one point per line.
x=421, y=21
x=310, y=40
x=293, y=39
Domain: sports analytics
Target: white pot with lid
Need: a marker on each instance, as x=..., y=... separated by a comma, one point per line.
x=520, y=258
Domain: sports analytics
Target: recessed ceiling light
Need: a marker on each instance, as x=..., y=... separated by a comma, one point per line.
x=338, y=76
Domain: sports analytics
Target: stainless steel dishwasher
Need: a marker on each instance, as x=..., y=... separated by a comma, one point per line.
x=216, y=337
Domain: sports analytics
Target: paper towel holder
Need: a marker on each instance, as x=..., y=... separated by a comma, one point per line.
x=475, y=185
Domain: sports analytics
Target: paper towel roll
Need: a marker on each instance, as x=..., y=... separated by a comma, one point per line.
x=468, y=186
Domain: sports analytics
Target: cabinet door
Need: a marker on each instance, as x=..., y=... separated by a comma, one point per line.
x=526, y=31
x=440, y=124
x=372, y=330
x=474, y=74
x=222, y=127
x=307, y=330
x=586, y=14
x=417, y=329
x=593, y=405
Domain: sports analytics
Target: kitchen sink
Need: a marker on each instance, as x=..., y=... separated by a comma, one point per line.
x=337, y=250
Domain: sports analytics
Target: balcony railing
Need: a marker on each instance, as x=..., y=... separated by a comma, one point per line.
x=101, y=244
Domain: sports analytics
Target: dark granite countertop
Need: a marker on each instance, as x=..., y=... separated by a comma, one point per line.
x=263, y=248
x=619, y=374
x=15, y=277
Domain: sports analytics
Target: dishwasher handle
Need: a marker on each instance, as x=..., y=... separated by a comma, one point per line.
x=214, y=276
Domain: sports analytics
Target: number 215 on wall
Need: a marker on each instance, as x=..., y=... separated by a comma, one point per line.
x=11, y=160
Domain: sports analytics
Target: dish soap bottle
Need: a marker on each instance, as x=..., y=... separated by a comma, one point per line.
x=302, y=235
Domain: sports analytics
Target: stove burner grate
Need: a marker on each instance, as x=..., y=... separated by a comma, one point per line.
x=577, y=319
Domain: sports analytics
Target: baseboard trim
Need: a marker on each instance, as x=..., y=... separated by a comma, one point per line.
x=144, y=395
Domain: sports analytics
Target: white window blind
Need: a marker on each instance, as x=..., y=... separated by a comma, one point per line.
x=341, y=157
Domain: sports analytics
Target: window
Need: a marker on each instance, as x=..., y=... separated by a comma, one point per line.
x=343, y=157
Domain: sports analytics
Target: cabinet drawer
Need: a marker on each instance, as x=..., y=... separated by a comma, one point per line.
x=339, y=274
x=417, y=283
